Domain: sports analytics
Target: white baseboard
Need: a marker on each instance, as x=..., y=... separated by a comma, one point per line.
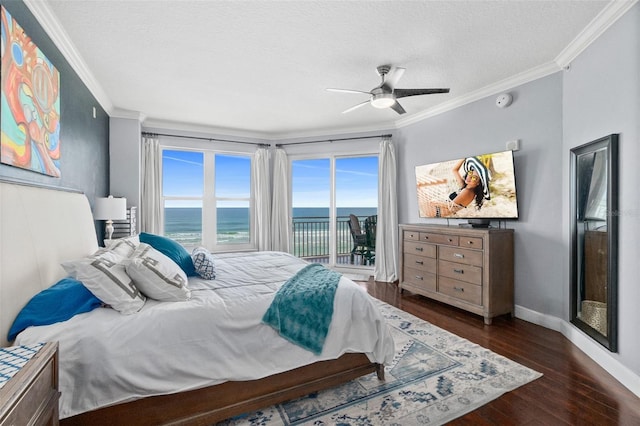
x=594, y=350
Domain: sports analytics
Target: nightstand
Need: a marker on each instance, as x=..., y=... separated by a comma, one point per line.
x=30, y=397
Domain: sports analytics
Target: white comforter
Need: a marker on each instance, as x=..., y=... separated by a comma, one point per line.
x=217, y=336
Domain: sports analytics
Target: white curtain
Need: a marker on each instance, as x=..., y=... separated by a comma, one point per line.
x=280, y=231
x=386, y=266
x=150, y=208
x=262, y=193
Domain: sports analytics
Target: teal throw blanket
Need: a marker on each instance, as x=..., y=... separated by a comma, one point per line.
x=302, y=309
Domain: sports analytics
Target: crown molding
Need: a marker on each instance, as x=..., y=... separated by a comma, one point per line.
x=51, y=25
x=157, y=124
x=127, y=114
x=320, y=133
x=492, y=89
x=598, y=25
x=268, y=137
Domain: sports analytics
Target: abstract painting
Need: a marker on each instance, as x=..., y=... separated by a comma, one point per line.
x=30, y=96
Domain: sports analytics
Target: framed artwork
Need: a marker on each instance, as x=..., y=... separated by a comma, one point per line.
x=30, y=96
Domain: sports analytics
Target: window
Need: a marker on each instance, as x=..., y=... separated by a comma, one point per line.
x=207, y=198
x=233, y=199
x=324, y=192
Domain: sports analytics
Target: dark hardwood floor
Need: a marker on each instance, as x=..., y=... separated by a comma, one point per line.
x=573, y=390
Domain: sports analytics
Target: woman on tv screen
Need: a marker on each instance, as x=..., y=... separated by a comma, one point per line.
x=473, y=179
x=472, y=187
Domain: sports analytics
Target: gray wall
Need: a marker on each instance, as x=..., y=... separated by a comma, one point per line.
x=84, y=160
x=535, y=118
x=602, y=96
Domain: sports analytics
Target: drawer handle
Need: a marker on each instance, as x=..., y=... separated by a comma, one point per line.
x=458, y=255
x=450, y=239
x=459, y=271
x=470, y=243
x=418, y=277
x=426, y=238
x=419, y=262
x=460, y=289
x=419, y=249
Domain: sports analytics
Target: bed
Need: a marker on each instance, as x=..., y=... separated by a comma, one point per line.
x=41, y=228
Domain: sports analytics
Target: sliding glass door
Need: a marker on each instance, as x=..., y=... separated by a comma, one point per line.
x=325, y=192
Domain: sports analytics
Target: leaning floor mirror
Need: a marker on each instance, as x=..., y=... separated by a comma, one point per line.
x=594, y=239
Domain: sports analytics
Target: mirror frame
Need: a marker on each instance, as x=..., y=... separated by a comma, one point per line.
x=610, y=144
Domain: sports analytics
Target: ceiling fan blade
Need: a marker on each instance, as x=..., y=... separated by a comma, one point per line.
x=348, y=91
x=403, y=93
x=397, y=108
x=355, y=107
x=392, y=78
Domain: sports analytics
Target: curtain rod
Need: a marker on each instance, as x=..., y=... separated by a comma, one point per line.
x=333, y=140
x=204, y=139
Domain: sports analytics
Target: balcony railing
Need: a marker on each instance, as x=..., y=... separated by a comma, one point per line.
x=311, y=239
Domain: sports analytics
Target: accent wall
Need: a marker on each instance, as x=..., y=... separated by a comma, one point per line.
x=84, y=161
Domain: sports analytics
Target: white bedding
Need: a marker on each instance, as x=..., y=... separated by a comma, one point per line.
x=217, y=336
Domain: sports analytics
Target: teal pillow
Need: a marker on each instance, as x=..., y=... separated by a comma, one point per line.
x=172, y=249
x=60, y=302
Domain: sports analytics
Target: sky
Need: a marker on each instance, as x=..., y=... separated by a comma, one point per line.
x=356, y=179
x=356, y=182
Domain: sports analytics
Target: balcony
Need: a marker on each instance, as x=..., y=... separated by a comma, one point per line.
x=311, y=240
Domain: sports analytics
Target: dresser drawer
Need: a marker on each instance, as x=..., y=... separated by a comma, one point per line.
x=428, y=237
x=468, y=292
x=471, y=242
x=422, y=279
x=421, y=263
x=411, y=235
x=458, y=271
x=460, y=255
x=420, y=249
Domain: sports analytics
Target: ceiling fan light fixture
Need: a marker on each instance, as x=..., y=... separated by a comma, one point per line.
x=383, y=100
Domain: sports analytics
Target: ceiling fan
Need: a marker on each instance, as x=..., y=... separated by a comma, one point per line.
x=386, y=95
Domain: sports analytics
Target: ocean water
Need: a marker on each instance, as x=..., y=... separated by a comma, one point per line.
x=185, y=224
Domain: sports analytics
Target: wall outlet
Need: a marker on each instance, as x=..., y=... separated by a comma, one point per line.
x=513, y=145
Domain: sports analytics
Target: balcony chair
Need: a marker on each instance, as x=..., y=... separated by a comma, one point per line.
x=370, y=229
x=359, y=238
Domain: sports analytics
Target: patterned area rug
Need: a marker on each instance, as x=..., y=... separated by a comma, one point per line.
x=435, y=377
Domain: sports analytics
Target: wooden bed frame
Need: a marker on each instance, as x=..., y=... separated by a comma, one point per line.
x=216, y=403
x=41, y=227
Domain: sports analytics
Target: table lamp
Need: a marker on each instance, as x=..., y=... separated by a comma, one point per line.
x=110, y=209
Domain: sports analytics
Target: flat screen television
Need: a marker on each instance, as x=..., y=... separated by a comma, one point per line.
x=478, y=188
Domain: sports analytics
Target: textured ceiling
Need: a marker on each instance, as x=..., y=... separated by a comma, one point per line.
x=261, y=67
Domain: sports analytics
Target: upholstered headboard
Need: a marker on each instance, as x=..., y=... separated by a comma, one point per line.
x=39, y=228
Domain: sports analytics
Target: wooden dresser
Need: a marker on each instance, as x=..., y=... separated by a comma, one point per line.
x=31, y=396
x=470, y=268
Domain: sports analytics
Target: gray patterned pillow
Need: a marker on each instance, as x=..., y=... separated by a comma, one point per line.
x=203, y=262
x=124, y=246
x=156, y=275
x=104, y=275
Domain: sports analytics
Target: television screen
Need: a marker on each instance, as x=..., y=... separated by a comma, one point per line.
x=479, y=187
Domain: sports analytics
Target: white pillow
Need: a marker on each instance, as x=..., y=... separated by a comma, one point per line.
x=156, y=275
x=104, y=275
x=124, y=246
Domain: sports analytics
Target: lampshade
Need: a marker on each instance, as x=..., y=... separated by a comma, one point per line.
x=110, y=208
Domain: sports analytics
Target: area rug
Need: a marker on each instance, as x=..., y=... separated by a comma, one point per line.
x=435, y=377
